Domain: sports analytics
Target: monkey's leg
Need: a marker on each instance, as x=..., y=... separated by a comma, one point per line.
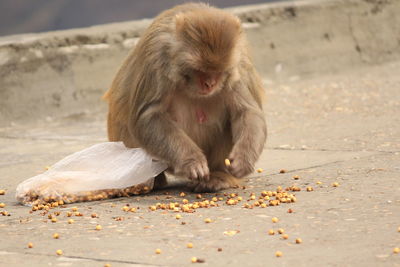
x=160, y=181
x=219, y=180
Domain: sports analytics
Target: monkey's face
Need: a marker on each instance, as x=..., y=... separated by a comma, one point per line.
x=202, y=84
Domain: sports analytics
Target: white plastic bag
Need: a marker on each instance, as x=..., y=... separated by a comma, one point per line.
x=101, y=171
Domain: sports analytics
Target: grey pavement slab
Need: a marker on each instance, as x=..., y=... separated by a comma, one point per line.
x=339, y=128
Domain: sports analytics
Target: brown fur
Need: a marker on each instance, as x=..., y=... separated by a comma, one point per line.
x=154, y=101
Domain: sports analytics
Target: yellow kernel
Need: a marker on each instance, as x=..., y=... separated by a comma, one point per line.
x=71, y=221
x=54, y=219
x=59, y=252
x=252, y=197
x=274, y=219
x=153, y=208
x=282, y=171
x=398, y=229
x=207, y=220
x=158, y=251
x=215, y=199
x=47, y=168
x=335, y=184
x=132, y=210
x=182, y=194
x=69, y=214
x=239, y=198
x=396, y=250
x=281, y=231
x=199, y=196
x=285, y=236
x=319, y=182
x=193, y=259
x=298, y=241
x=125, y=208
x=185, y=201
x=271, y=232
x=278, y=254
x=2, y=205
x=296, y=177
x=189, y=245
x=2, y=192
x=178, y=216
x=107, y=265
x=263, y=205
x=227, y=162
x=260, y=170
x=309, y=189
x=93, y=215
x=74, y=209
x=231, y=202
x=56, y=236
x=30, y=245
x=98, y=227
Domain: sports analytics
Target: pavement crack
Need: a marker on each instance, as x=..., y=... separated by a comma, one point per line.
x=92, y=259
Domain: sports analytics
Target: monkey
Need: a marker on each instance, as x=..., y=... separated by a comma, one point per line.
x=189, y=95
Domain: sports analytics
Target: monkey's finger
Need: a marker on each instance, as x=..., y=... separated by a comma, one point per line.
x=193, y=174
x=206, y=171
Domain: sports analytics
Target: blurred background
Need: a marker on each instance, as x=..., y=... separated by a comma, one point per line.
x=26, y=16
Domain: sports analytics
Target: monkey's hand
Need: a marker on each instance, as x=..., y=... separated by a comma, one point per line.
x=195, y=168
x=240, y=165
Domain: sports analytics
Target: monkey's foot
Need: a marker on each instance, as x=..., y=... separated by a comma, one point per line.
x=160, y=181
x=218, y=181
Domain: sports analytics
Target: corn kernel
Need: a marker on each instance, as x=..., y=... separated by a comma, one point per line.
x=298, y=241
x=54, y=219
x=271, y=232
x=296, y=177
x=98, y=227
x=153, y=208
x=2, y=205
x=59, y=252
x=227, y=162
x=260, y=170
x=56, y=236
x=30, y=245
x=335, y=184
x=274, y=219
x=281, y=231
x=182, y=194
x=107, y=265
x=193, y=259
x=285, y=236
x=126, y=208
x=396, y=250
x=207, y=220
x=309, y=189
x=178, y=216
x=71, y=221
x=74, y=209
x=158, y=251
x=278, y=254
x=318, y=182
x=132, y=210
x=189, y=245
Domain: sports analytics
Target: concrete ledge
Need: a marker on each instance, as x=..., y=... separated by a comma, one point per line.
x=63, y=73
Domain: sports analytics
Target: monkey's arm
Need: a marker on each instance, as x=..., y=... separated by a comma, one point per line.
x=158, y=134
x=249, y=132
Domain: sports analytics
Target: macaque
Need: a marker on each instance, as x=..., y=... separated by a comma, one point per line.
x=189, y=95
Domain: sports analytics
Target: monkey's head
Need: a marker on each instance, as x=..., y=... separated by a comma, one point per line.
x=207, y=50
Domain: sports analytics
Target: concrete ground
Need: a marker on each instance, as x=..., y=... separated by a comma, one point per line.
x=341, y=128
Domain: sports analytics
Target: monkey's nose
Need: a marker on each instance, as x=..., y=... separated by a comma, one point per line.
x=209, y=84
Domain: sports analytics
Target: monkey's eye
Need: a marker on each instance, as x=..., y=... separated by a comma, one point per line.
x=186, y=77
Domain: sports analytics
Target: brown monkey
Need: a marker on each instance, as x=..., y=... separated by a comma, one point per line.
x=189, y=95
